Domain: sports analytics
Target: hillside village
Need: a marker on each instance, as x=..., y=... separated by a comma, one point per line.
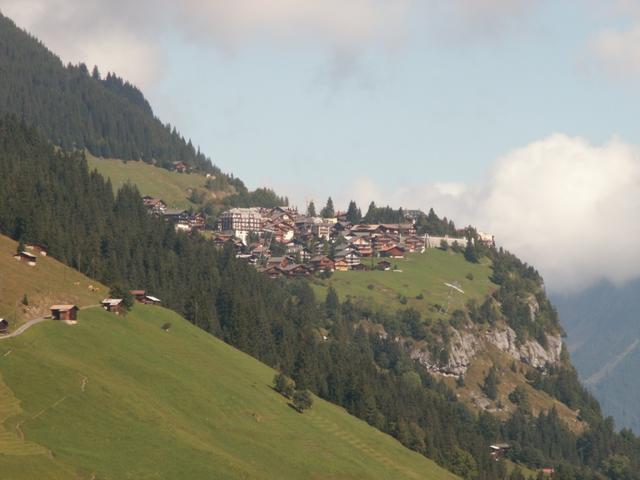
x=281, y=241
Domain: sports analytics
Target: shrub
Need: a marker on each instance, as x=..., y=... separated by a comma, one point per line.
x=469, y=276
x=420, y=296
x=166, y=326
x=370, y=286
x=302, y=400
x=25, y=300
x=284, y=385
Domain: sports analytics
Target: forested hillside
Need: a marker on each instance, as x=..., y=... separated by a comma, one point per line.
x=76, y=108
x=50, y=197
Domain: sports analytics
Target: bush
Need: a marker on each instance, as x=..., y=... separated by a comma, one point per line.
x=166, y=326
x=25, y=300
x=302, y=400
x=469, y=276
x=420, y=296
x=490, y=386
x=370, y=286
x=284, y=385
x=403, y=300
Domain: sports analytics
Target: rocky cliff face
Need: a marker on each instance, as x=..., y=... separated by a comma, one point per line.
x=465, y=345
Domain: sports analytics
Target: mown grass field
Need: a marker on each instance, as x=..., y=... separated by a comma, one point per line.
x=47, y=283
x=419, y=274
x=157, y=182
x=119, y=398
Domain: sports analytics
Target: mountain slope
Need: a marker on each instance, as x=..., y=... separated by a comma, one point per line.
x=172, y=187
x=603, y=327
x=47, y=283
x=121, y=398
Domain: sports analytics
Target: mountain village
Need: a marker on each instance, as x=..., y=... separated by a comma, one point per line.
x=281, y=241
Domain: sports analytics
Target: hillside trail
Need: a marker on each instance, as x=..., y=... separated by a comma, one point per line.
x=26, y=326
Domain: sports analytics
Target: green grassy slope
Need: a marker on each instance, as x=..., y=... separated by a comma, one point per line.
x=118, y=398
x=420, y=274
x=157, y=182
x=47, y=283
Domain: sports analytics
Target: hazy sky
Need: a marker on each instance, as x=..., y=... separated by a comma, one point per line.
x=519, y=116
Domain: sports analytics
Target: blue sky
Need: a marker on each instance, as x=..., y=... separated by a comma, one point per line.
x=514, y=115
x=434, y=109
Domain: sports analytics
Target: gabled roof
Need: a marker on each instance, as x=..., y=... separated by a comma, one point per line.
x=28, y=255
x=154, y=299
x=63, y=308
x=111, y=301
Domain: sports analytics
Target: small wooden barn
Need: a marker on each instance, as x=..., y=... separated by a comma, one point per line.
x=64, y=312
x=30, y=258
x=113, y=305
x=139, y=295
x=38, y=248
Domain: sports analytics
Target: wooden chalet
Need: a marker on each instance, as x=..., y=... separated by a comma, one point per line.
x=150, y=300
x=112, y=305
x=64, y=312
x=397, y=228
x=30, y=258
x=4, y=326
x=498, y=450
x=197, y=222
x=138, y=295
x=222, y=240
x=352, y=258
x=142, y=297
x=279, y=262
x=154, y=205
x=296, y=270
x=37, y=248
x=175, y=214
x=341, y=265
x=414, y=244
x=273, y=271
x=360, y=267
x=394, y=251
x=323, y=263
x=180, y=167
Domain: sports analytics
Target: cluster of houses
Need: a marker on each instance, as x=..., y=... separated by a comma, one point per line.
x=307, y=244
x=181, y=218
x=312, y=244
x=69, y=313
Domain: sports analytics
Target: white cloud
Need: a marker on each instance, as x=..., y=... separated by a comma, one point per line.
x=616, y=50
x=127, y=36
x=565, y=206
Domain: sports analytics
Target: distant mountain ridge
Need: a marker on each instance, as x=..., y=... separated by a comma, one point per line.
x=603, y=327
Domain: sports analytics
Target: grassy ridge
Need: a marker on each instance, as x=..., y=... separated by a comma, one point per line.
x=421, y=274
x=157, y=182
x=47, y=283
x=120, y=398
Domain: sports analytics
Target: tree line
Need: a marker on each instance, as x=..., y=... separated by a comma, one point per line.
x=78, y=109
x=49, y=196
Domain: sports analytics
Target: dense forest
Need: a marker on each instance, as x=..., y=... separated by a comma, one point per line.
x=49, y=196
x=78, y=108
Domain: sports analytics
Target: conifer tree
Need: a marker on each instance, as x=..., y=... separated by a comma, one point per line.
x=328, y=210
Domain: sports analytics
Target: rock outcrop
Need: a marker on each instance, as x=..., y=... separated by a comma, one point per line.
x=463, y=346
